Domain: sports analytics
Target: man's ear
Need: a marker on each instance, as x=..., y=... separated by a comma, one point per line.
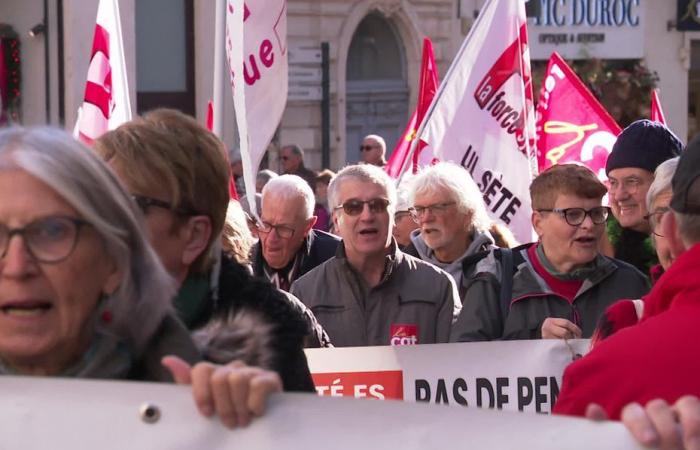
x=669, y=229
x=196, y=232
x=310, y=224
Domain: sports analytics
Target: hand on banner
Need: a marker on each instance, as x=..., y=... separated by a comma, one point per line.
x=658, y=424
x=556, y=328
x=235, y=392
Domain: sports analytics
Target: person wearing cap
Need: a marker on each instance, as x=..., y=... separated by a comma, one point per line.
x=638, y=151
x=659, y=357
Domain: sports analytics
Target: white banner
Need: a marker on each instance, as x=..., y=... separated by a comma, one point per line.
x=509, y=375
x=43, y=413
x=482, y=116
x=260, y=65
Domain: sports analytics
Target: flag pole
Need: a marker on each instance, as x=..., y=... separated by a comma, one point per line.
x=438, y=94
x=122, y=59
x=219, y=67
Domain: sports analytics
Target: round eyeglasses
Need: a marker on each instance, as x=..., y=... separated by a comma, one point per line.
x=48, y=240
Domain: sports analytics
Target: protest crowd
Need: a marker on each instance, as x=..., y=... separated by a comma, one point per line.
x=128, y=258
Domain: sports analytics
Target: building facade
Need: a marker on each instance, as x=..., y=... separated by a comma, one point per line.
x=373, y=58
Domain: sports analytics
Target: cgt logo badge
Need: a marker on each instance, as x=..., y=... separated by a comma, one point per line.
x=385, y=384
x=403, y=334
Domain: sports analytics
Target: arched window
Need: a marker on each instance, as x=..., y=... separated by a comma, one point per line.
x=377, y=93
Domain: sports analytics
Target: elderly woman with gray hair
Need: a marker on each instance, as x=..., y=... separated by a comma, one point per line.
x=76, y=270
x=625, y=313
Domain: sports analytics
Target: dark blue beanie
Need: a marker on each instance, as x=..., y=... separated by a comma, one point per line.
x=644, y=144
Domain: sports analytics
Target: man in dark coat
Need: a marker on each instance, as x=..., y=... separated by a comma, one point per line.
x=289, y=246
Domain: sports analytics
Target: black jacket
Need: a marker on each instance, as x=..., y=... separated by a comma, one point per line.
x=252, y=320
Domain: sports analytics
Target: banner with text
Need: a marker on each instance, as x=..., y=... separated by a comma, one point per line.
x=256, y=51
x=482, y=116
x=509, y=375
x=40, y=413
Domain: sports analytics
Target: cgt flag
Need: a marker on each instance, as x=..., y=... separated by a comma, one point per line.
x=106, y=103
x=256, y=50
x=482, y=116
x=571, y=125
x=657, y=114
x=428, y=86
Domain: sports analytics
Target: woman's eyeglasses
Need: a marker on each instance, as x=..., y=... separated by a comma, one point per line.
x=48, y=240
x=654, y=219
x=576, y=216
x=145, y=203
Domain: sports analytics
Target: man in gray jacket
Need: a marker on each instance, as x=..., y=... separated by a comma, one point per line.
x=371, y=293
x=448, y=207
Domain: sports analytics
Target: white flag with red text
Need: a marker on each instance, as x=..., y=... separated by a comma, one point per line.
x=482, y=116
x=106, y=102
x=256, y=50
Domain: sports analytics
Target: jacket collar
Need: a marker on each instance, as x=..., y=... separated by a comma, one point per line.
x=678, y=284
x=392, y=260
x=532, y=284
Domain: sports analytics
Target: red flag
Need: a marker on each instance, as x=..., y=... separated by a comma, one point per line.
x=427, y=87
x=210, y=115
x=106, y=102
x=572, y=126
x=657, y=114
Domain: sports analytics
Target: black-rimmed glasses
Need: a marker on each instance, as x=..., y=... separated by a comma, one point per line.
x=576, y=216
x=48, y=240
x=283, y=231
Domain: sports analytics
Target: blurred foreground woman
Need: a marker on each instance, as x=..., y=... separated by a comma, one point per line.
x=82, y=294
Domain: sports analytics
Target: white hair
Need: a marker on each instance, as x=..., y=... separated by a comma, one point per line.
x=365, y=173
x=288, y=187
x=86, y=183
x=662, y=179
x=461, y=187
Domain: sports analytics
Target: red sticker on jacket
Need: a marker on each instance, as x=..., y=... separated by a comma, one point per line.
x=403, y=334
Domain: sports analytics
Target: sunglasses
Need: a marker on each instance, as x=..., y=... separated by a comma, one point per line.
x=366, y=148
x=355, y=207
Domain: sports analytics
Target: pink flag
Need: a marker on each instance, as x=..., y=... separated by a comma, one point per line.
x=572, y=126
x=106, y=103
x=657, y=114
x=427, y=87
x=482, y=116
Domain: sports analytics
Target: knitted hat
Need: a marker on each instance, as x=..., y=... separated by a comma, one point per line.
x=643, y=144
x=686, y=181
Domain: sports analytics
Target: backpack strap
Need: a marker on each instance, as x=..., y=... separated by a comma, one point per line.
x=505, y=255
